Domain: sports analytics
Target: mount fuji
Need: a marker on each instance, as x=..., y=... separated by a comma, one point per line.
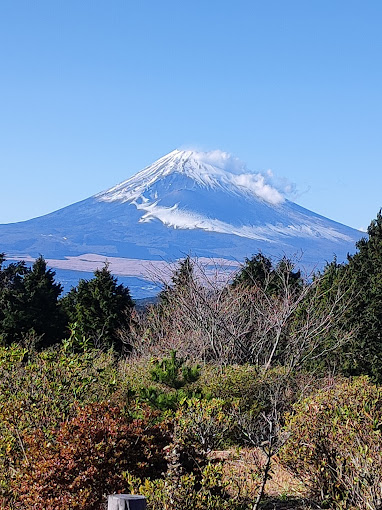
x=206, y=204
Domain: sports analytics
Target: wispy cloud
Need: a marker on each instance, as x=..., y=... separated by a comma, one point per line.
x=258, y=185
x=265, y=185
x=223, y=160
x=282, y=184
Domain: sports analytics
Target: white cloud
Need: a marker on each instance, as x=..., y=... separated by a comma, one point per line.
x=266, y=185
x=258, y=185
x=282, y=184
x=222, y=160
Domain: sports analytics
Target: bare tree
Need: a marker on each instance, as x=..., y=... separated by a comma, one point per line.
x=275, y=322
x=262, y=430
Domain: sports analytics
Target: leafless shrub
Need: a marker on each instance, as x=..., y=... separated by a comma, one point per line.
x=208, y=319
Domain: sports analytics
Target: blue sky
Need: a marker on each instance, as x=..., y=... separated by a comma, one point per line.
x=92, y=91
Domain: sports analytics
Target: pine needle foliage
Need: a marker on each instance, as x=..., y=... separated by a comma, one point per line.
x=173, y=372
x=176, y=376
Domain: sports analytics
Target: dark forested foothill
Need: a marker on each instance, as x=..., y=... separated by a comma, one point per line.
x=260, y=392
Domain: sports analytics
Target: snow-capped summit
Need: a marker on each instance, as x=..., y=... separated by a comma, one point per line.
x=215, y=192
x=207, y=204
x=211, y=170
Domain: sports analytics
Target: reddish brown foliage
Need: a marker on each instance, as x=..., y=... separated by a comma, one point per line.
x=88, y=457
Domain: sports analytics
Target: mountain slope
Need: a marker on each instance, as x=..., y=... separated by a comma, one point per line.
x=206, y=204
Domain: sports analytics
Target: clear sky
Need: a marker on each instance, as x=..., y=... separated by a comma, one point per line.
x=92, y=91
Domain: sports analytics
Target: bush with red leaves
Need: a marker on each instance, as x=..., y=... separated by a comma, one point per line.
x=87, y=458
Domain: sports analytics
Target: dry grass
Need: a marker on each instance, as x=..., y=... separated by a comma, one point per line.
x=243, y=474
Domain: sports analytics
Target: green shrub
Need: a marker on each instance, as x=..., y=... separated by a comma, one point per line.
x=203, y=424
x=250, y=388
x=174, y=372
x=189, y=492
x=135, y=372
x=163, y=400
x=173, y=378
x=233, y=382
x=334, y=444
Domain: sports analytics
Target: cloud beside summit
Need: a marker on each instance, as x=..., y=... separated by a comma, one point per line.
x=265, y=185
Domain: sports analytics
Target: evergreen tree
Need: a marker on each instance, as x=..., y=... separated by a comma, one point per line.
x=255, y=271
x=11, y=275
x=274, y=280
x=181, y=281
x=100, y=308
x=184, y=274
x=12, y=299
x=285, y=279
x=29, y=302
x=43, y=313
x=329, y=297
x=364, y=276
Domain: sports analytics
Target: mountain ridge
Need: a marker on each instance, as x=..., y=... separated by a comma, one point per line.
x=203, y=204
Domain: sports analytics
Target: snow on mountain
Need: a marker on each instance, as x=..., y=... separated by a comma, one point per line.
x=216, y=172
x=211, y=170
x=207, y=204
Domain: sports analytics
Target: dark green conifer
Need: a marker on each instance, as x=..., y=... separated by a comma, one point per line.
x=181, y=280
x=29, y=303
x=255, y=271
x=100, y=308
x=43, y=313
x=273, y=280
x=364, y=275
